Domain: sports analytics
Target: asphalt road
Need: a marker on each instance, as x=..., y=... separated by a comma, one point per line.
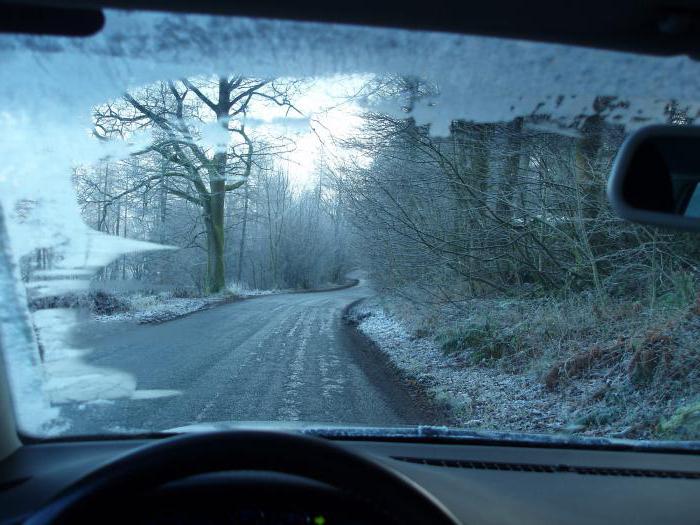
x=287, y=357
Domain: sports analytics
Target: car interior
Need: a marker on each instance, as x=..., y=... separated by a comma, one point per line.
x=286, y=476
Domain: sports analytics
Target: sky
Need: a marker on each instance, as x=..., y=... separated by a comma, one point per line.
x=330, y=111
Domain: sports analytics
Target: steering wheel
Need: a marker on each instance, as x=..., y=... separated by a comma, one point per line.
x=129, y=477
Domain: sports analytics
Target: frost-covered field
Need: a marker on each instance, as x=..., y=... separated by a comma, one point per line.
x=595, y=394
x=478, y=397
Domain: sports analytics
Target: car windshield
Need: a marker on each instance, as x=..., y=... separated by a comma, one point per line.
x=212, y=221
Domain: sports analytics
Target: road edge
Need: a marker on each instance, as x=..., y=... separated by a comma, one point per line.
x=237, y=298
x=435, y=411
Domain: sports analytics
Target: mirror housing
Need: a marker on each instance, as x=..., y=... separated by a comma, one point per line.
x=656, y=175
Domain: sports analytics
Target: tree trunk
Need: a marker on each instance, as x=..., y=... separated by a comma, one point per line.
x=214, y=220
x=241, y=248
x=214, y=210
x=163, y=205
x=124, y=256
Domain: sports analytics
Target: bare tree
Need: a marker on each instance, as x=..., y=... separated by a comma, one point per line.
x=198, y=173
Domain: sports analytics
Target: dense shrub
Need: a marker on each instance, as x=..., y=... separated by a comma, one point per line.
x=185, y=292
x=481, y=343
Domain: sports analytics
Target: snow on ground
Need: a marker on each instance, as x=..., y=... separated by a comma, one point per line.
x=163, y=307
x=243, y=291
x=478, y=397
x=162, y=310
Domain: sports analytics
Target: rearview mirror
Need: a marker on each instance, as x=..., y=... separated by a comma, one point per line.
x=656, y=175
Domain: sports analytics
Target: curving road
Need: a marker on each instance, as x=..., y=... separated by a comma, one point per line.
x=287, y=357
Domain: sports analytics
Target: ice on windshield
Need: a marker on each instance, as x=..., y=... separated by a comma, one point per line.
x=208, y=219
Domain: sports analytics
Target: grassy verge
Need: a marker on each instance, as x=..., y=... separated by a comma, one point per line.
x=620, y=369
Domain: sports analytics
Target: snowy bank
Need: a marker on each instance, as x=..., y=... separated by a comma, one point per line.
x=162, y=307
x=478, y=397
x=548, y=365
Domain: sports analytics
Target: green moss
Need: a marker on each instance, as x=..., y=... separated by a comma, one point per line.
x=683, y=424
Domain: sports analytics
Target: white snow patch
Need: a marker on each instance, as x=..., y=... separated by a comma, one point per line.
x=157, y=308
x=242, y=290
x=154, y=312
x=154, y=394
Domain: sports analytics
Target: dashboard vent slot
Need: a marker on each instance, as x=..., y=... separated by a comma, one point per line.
x=530, y=467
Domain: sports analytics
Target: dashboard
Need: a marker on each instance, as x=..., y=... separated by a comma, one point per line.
x=479, y=484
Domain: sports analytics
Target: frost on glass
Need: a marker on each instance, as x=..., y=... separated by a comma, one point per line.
x=51, y=85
